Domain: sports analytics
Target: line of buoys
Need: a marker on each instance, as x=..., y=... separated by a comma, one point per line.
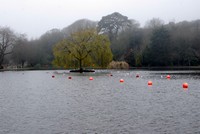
x=150, y=83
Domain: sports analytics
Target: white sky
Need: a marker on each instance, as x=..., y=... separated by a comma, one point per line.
x=35, y=17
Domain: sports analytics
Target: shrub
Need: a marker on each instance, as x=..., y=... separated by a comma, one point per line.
x=118, y=65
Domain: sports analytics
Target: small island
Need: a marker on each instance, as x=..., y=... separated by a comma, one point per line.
x=81, y=70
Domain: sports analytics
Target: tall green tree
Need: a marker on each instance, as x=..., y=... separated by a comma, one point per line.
x=120, y=31
x=112, y=24
x=83, y=48
x=196, y=40
x=158, y=53
x=184, y=43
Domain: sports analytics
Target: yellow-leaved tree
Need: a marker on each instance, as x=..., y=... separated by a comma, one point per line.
x=82, y=49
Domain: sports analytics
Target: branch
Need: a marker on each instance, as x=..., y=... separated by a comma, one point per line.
x=76, y=57
x=67, y=49
x=8, y=53
x=86, y=54
x=74, y=41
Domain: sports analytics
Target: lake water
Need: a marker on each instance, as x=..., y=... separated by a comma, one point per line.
x=32, y=102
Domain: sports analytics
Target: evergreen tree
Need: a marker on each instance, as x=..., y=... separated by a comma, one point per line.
x=159, y=47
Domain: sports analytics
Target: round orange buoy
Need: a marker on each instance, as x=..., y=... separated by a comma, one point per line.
x=69, y=77
x=53, y=76
x=150, y=83
x=137, y=76
x=168, y=76
x=121, y=80
x=185, y=85
x=91, y=78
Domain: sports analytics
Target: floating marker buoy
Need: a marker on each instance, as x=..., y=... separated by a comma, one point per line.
x=150, y=83
x=137, y=76
x=91, y=78
x=168, y=76
x=121, y=80
x=69, y=77
x=53, y=76
x=185, y=85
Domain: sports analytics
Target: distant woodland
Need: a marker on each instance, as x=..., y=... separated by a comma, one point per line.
x=155, y=44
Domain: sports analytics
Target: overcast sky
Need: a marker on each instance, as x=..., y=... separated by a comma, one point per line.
x=35, y=17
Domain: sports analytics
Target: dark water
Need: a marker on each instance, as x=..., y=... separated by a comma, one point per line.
x=32, y=102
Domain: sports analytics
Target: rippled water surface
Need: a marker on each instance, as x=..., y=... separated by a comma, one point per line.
x=32, y=102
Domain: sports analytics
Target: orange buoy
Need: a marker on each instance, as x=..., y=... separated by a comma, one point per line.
x=69, y=77
x=121, y=80
x=53, y=76
x=91, y=78
x=150, y=83
x=185, y=85
x=168, y=76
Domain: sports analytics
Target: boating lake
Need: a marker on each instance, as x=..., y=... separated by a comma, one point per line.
x=32, y=102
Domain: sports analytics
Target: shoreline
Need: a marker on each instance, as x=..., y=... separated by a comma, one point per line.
x=131, y=68
x=167, y=68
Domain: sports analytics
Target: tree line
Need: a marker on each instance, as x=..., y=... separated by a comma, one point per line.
x=155, y=44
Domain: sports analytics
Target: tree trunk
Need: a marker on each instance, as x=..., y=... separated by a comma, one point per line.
x=1, y=61
x=22, y=64
x=80, y=66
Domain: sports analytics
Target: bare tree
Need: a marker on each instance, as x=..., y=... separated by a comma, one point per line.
x=154, y=23
x=7, y=39
x=20, y=50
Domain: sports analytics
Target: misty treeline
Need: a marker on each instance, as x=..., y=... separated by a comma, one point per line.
x=155, y=44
